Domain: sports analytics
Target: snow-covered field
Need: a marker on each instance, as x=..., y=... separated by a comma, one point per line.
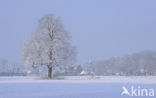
x=71, y=87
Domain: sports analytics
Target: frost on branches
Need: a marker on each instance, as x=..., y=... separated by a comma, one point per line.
x=49, y=46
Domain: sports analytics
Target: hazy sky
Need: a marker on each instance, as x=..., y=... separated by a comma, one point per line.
x=100, y=29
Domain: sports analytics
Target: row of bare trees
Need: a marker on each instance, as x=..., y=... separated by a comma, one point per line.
x=10, y=69
x=143, y=63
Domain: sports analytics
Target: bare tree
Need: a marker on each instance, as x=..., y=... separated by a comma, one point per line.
x=49, y=46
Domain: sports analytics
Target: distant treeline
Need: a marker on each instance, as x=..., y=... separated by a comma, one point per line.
x=137, y=64
x=8, y=69
x=143, y=63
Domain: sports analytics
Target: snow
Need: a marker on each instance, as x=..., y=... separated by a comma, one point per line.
x=71, y=87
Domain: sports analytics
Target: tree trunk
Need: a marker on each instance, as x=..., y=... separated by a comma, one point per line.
x=50, y=72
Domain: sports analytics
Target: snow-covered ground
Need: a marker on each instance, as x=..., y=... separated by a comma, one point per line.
x=71, y=87
x=84, y=79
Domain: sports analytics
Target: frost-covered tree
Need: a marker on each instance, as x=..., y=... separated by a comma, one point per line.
x=49, y=46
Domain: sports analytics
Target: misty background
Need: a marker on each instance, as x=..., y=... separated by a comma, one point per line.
x=100, y=29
